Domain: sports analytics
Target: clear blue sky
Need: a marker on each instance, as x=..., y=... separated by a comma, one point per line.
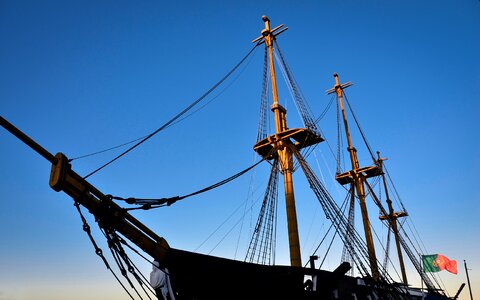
x=83, y=76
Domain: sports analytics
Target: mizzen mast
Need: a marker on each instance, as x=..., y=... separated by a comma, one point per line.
x=280, y=144
x=392, y=218
x=357, y=177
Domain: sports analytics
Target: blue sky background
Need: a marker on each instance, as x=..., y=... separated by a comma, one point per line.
x=84, y=76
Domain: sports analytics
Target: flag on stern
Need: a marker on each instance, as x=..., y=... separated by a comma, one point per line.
x=437, y=263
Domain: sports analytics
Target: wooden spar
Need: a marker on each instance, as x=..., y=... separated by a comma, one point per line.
x=357, y=175
x=27, y=140
x=284, y=152
x=108, y=213
x=392, y=218
x=283, y=143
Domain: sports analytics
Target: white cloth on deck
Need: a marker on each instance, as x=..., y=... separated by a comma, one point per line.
x=160, y=280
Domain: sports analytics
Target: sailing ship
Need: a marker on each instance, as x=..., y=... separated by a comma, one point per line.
x=200, y=276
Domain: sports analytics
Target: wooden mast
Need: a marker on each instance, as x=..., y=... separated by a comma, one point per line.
x=283, y=143
x=392, y=218
x=357, y=175
x=284, y=152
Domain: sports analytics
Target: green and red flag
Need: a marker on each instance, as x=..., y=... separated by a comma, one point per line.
x=437, y=263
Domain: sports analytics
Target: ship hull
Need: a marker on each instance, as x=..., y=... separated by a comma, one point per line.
x=198, y=276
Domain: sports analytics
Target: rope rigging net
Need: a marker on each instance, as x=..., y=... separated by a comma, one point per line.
x=346, y=256
x=262, y=244
x=304, y=110
x=263, y=119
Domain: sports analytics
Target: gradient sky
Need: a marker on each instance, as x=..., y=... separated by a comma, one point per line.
x=81, y=76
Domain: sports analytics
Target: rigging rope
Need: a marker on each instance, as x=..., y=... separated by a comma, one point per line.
x=125, y=265
x=325, y=110
x=359, y=128
x=98, y=251
x=371, y=189
x=351, y=223
x=303, y=108
x=250, y=193
x=289, y=86
x=265, y=227
x=120, y=255
x=387, y=251
x=397, y=198
x=321, y=242
x=233, y=227
x=328, y=249
x=326, y=234
x=407, y=249
x=178, y=115
x=174, y=123
x=417, y=251
x=334, y=214
x=218, y=227
x=225, y=221
x=118, y=260
x=299, y=100
x=376, y=200
x=105, y=150
x=149, y=203
x=263, y=120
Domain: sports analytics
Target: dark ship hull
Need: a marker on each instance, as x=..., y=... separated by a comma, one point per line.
x=198, y=276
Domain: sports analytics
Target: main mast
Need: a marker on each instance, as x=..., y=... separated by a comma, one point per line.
x=280, y=144
x=357, y=176
x=284, y=153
